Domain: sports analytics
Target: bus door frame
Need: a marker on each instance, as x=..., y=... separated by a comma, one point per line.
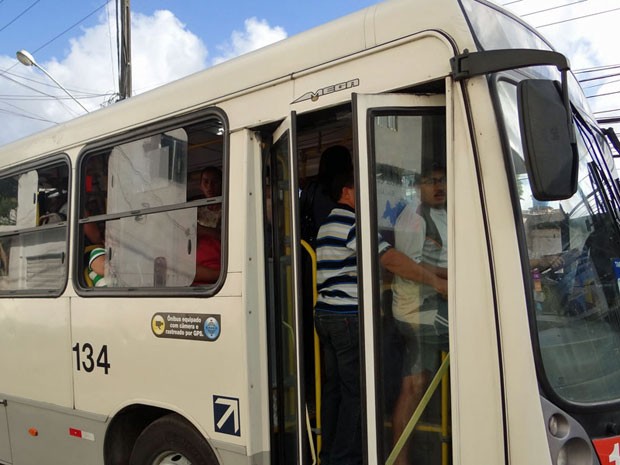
x=368, y=261
x=291, y=215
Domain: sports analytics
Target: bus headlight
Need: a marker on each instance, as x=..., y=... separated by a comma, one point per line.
x=558, y=426
x=575, y=452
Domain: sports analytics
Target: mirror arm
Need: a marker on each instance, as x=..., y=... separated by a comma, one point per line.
x=569, y=113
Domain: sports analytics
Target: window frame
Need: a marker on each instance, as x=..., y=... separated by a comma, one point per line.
x=39, y=164
x=106, y=145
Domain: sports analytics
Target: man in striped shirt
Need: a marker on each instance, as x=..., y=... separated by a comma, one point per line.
x=337, y=321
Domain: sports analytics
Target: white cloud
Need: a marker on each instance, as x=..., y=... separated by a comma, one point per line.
x=257, y=34
x=588, y=42
x=162, y=50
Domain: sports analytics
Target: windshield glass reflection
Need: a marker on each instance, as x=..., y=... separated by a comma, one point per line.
x=573, y=252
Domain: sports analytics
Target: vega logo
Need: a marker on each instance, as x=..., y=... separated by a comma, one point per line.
x=314, y=96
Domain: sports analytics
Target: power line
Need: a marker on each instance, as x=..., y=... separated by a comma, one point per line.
x=37, y=91
x=603, y=95
x=2, y=72
x=110, y=40
x=578, y=17
x=84, y=93
x=599, y=77
x=595, y=68
x=5, y=76
x=39, y=98
x=605, y=111
x=552, y=8
x=70, y=27
x=601, y=84
x=19, y=16
x=38, y=118
x=24, y=111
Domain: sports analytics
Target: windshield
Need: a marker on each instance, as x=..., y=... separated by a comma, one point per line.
x=572, y=249
x=495, y=28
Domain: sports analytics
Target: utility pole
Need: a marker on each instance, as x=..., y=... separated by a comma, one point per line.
x=124, y=84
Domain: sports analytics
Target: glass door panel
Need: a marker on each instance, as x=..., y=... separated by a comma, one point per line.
x=403, y=200
x=282, y=250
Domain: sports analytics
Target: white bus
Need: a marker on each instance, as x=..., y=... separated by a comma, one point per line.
x=163, y=367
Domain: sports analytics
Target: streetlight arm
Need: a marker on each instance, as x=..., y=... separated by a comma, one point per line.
x=27, y=59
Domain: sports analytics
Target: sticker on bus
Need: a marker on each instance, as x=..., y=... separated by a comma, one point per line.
x=608, y=450
x=194, y=326
x=226, y=415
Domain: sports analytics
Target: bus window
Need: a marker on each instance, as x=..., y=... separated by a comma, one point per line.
x=572, y=253
x=411, y=193
x=151, y=210
x=33, y=229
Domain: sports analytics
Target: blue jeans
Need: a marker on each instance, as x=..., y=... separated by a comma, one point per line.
x=341, y=428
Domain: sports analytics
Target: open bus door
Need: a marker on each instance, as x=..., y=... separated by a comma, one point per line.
x=397, y=136
x=283, y=277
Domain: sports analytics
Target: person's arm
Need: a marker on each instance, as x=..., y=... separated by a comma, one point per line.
x=438, y=270
x=403, y=266
x=202, y=231
x=92, y=232
x=206, y=275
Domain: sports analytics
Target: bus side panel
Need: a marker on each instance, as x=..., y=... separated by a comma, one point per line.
x=40, y=436
x=369, y=74
x=200, y=379
x=35, y=350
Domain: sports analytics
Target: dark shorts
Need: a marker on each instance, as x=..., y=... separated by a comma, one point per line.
x=424, y=343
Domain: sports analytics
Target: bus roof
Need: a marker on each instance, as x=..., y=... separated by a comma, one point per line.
x=371, y=27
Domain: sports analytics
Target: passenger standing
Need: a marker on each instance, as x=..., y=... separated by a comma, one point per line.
x=209, y=241
x=337, y=321
x=420, y=308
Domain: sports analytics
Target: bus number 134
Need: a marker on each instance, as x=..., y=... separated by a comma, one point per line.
x=84, y=358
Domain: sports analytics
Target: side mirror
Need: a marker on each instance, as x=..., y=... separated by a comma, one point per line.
x=551, y=158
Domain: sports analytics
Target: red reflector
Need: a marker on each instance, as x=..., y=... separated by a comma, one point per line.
x=75, y=432
x=608, y=450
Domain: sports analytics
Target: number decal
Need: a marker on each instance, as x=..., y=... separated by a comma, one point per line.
x=89, y=363
x=102, y=359
x=84, y=358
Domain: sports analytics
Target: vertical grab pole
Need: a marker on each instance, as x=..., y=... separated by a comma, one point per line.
x=317, y=351
x=445, y=412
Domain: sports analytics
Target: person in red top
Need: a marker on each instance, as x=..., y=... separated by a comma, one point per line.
x=209, y=244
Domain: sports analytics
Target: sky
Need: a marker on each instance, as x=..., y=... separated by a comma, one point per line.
x=76, y=44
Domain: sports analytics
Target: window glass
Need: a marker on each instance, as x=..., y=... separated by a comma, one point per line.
x=410, y=171
x=496, y=30
x=151, y=210
x=573, y=255
x=33, y=229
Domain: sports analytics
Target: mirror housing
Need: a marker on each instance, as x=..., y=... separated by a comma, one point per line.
x=547, y=133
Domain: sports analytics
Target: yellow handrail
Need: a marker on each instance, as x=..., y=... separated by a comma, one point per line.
x=317, y=352
x=404, y=437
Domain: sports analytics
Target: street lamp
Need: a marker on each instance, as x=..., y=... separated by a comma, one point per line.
x=27, y=59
